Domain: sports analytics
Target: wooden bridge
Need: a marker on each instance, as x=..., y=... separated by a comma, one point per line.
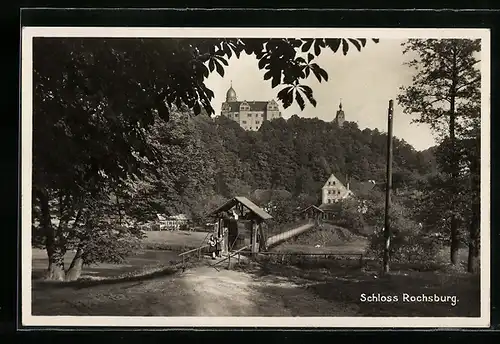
x=271, y=241
x=278, y=238
x=240, y=209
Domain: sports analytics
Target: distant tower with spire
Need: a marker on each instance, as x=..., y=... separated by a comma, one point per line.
x=340, y=117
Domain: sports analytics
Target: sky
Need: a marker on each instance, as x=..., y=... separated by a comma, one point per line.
x=365, y=82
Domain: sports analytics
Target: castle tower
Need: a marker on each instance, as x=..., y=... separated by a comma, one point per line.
x=340, y=117
x=231, y=94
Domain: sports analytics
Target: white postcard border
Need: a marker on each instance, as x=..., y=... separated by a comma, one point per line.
x=27, y=319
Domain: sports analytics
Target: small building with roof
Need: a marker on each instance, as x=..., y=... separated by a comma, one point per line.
x=312, y=212
x=240, y=222
x=174, y=222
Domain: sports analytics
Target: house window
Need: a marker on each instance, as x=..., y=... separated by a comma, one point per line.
x=329, y=201
x=257, y=122
x=249, y=115
x=251, y=128
x=244, y=122
x=235, y=115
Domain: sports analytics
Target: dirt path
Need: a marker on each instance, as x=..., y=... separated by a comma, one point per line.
x=235, y=293
x=219, y=293
x=200, y=291
x=256, y=291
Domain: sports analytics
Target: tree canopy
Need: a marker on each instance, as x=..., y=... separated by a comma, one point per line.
x=445, y=93
x=96, y=98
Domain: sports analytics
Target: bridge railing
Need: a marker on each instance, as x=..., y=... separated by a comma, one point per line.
x=292, y=257
x=196, y=252
x=236, y=253
x=288, y=226
x=288, y=232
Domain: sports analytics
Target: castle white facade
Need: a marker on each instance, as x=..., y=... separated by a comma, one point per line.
x=249, y=114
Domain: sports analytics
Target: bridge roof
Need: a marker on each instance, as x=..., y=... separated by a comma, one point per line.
x=254, y=208
x=329, y=207
x=313, y=207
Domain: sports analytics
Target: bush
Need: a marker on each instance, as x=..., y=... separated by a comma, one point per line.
x=349, y=216
x=408, y=245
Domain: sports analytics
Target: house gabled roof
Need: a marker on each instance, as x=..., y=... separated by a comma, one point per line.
x=336, y=178
x=252, y=207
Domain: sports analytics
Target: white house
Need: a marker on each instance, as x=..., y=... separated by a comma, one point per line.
x=334, y=190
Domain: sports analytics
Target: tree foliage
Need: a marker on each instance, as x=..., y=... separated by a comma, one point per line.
x=95, y=100
x=445, y=72
x=445, y=93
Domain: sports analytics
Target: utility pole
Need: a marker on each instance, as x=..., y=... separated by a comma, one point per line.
x=388, y=187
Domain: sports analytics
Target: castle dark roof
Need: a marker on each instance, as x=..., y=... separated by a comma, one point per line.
x=254, y=105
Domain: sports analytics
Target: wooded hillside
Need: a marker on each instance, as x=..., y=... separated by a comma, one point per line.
x=214, y=159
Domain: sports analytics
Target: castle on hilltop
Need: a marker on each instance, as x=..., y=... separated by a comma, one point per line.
x=250, y=114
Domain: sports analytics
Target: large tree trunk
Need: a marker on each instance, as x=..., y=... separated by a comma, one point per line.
x=474, y=226
x=119, y=210
x=455, y=241
x=75, y=269
x=473, y=259
x=55, y=255
x=55, y=271
x=454, y=223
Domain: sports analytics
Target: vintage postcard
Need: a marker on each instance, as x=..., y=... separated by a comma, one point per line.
x=255, y=177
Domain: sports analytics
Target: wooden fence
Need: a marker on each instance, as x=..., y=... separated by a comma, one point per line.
x=195, y=251
x=293, y=255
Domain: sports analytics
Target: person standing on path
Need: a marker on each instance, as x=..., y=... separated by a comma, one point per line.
x=212, y=246
x=219, y=246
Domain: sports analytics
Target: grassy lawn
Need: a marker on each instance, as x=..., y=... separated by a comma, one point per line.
x=141, y=260
x=173, y=240
x=159, y=248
